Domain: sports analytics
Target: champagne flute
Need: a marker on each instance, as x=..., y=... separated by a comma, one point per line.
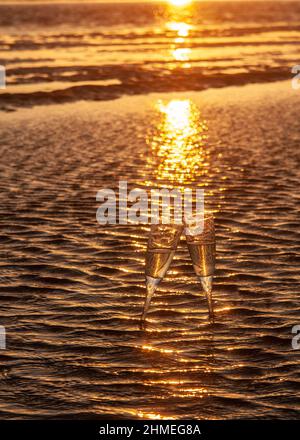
x=201, y=243
x=162, y=244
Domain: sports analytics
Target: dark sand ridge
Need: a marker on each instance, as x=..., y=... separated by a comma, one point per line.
x=137, y=82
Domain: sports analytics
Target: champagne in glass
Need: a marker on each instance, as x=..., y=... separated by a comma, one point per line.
x=201, y=243
x=161, y=248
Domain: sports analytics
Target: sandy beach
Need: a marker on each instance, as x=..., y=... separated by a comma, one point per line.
x=72, y=291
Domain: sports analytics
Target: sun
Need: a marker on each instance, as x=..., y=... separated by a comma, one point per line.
x=180, y=2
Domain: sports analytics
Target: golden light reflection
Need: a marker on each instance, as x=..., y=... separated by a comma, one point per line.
x=149, y=415
x=179, y=145
x=180, y=387
x=179, y=23
x=181, y=54
x=196, y=391
x=182, y=29
x=161, y=350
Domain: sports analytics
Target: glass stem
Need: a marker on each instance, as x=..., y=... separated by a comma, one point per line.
x=151, y=286
x=207, y=283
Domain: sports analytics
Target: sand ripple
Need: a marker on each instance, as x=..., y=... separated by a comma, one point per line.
x=71, y=291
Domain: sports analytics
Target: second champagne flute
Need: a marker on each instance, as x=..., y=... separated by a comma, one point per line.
x=201, y=243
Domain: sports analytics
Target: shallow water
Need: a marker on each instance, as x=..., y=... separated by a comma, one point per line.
x=72, y=291
x=142, y=48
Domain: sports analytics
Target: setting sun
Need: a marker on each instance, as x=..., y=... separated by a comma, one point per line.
x=180, y=2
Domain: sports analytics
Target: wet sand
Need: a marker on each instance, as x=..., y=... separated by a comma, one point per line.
x=66, y=52
x=72, y=291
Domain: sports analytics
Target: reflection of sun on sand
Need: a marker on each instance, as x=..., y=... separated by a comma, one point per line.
x=182, y=29
x=179, y=142
x=182, y=55
x=182, y=32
